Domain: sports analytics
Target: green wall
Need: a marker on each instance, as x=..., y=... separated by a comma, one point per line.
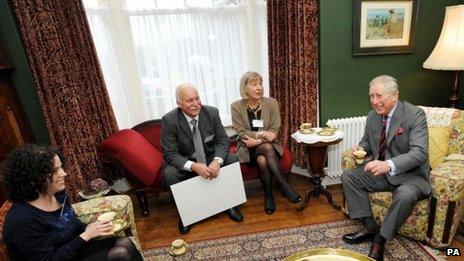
x=22, y=76
x=344, y=79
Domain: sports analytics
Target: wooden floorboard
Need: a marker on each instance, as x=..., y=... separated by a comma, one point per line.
x=159, y=228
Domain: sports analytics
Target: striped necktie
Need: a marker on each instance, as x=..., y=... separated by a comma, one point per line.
x=383, y=138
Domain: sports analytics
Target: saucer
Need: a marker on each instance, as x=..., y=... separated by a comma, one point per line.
x=306, y=131
x=118, y=225
x=178, y=251
x=92, y=194
x=326, y=133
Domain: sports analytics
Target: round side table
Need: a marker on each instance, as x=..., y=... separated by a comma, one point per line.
x=316, y=152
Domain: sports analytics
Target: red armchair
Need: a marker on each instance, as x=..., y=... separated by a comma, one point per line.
x=251, y=172
x=137, y=154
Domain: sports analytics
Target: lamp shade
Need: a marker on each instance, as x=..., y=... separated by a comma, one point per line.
x=448, y=54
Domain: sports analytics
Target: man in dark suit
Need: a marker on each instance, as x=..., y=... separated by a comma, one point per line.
x=194, y=143
x=396, y=137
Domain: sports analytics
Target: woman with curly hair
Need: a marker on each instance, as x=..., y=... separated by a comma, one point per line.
x=41, y=224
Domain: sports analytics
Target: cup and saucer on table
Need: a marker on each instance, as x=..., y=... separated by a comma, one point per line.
x=178, y=247
x=306, y=128
x=117, y=224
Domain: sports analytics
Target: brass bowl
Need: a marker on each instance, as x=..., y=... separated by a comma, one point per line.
x=331, y=254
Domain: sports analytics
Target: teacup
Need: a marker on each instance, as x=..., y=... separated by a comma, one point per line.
x=107, y=217
x=359, y=156
x=178, y=247
x=306, y=128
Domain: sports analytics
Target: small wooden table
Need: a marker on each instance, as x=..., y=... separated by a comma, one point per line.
x=316, y=151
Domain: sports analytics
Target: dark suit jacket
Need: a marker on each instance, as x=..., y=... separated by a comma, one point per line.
x=407, y=144
x=177, y=137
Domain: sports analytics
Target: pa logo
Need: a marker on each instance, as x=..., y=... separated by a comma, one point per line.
x=452, y=251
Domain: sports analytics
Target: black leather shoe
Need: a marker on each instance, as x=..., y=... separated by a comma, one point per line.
x=184, y=230
x=362, y=235
x=376, y=251
x=235, y=214
x=269, y=204
x=290, y=194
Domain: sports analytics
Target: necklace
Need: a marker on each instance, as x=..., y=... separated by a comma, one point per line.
x=255, y=109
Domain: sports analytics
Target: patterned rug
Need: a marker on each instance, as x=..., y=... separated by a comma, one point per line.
x=278, y=244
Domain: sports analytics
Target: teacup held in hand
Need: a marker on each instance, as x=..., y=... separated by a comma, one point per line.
x=359, y=156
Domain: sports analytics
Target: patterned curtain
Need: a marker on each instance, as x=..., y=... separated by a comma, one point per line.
x=69, y=82
x=293, y=66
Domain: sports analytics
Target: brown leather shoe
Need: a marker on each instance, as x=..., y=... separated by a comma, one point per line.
x=360, y=236
x=376, y=251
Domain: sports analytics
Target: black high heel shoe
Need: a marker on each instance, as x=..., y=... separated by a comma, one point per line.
x=290, y=194
x=269, y=204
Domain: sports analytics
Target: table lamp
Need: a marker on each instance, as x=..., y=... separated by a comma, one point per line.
x=448, y=54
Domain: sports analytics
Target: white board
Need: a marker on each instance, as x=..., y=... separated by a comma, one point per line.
x=198, y=198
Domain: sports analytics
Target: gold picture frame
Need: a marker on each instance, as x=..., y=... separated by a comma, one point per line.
x=384, y=27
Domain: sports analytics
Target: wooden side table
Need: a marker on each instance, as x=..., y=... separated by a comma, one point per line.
x=316, y=151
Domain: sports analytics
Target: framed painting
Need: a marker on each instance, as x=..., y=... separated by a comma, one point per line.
x=384, y=27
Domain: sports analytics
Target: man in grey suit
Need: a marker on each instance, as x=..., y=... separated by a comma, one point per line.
x=194, y=143
x=396, y=137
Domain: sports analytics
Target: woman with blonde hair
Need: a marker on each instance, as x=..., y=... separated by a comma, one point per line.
x=256, y=120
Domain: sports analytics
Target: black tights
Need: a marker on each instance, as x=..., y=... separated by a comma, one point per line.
x=269, y=166
x=111, y=249
x=124, y=249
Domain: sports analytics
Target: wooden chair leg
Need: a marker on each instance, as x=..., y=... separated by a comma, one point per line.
x=143, y=202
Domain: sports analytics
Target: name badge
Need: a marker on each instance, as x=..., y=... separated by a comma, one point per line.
x=257, y=123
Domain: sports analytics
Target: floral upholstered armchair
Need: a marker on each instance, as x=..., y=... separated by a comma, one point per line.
x=88, y=211
x=433, y=220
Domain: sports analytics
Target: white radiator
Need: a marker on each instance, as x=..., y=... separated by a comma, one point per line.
x=354, y=129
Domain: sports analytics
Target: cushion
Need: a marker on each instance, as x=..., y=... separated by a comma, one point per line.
x=454, y=157
x=134, y=152
x=438, y=144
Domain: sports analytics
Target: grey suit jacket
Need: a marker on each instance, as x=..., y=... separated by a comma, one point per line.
x=270, y=114
x=407, y=145
x=177, y=138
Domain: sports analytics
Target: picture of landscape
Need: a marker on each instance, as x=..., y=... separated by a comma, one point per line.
x=385, y=23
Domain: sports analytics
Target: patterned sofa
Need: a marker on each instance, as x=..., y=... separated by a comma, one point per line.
x=434, y=220
x=88, y=211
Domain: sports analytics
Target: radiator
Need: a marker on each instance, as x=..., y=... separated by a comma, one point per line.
x=354, y=129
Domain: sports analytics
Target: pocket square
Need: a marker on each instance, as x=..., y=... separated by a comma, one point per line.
x=399, y=131
x=209, y=138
